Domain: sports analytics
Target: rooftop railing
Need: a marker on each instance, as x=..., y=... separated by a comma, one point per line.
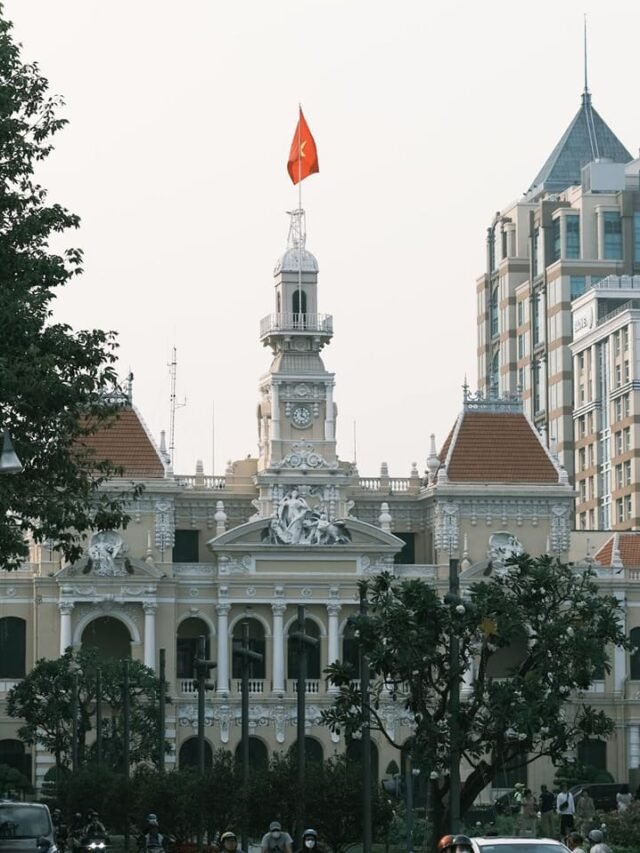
x=321, y=323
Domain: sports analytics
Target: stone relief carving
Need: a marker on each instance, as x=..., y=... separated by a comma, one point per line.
x=188, y=716
x=503, y=545
x=446, y=526
x=303, y=455
x=165, y=525
x=560, y=530
x=296, y=523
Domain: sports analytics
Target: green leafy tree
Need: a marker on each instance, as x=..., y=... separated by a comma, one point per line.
x=56, y=383
x=334, y=803
x=503, y=723
x=97, y=788
x=175, y=797
x=44, y=701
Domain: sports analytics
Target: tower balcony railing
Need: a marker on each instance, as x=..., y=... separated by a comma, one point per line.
x=296, y=323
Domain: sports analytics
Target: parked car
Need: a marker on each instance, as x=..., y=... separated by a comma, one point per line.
x=603, y=794
x=26, y=827
x=517, y=845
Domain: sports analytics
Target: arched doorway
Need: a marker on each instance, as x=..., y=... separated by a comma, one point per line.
x=258, y=753
x=313, y=752
x=257, y=669
x=188, y=755
x=354, y=754
x=110, y=637
x=189, y=633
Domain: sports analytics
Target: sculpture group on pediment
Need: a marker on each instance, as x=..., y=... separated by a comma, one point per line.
x=296, y=523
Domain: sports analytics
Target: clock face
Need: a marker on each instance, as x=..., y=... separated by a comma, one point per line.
x=301, y=416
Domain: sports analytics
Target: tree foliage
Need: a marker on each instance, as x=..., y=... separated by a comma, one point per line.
x=568, y=626
x=44, y=701
x=56, y=383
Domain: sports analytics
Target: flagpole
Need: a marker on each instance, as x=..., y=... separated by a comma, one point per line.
x=300, y=214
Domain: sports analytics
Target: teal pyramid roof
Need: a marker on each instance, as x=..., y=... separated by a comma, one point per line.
x=587, y=138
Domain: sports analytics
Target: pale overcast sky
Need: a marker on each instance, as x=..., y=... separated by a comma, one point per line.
x=428, y=118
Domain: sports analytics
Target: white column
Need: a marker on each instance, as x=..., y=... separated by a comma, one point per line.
x=333, y=645
x=150, y=608
x=278, y=610
x=223, y=648
x=329, y=423
x=275, y=412
x=620, y=654
x=66, y=639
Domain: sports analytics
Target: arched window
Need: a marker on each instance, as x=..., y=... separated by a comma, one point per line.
x=634, y=656
x=188, y=755
x=110, y=637
x=592, y=752
x=258, y=753
x=297, y=293
x=12, y=753
x=354, y=754
x=257, y=669
x=350, y=651
x=313, y=652
x=13, y=647
x=189, y=632
x=494, y=379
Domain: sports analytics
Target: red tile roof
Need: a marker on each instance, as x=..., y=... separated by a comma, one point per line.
x=127, y=444
x=496, y=447
x=629, y=546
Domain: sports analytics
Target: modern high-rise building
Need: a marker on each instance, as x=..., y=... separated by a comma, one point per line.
x=577, y=224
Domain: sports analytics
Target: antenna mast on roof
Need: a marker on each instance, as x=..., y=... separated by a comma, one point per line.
x=173, y=405
x=586, y=86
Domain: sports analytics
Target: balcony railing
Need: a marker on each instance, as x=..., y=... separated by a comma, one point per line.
x=311, y=685
x=200, y=481
x=390, y=484
x=6, y=685
x=256, y=686
x=320, y=323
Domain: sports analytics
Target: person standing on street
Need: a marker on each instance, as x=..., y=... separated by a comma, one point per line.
x=276, y=841
x=547, y=803
x=566, y=808
x=585, y=813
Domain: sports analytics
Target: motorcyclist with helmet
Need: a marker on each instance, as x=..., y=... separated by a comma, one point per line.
x=310, y=842
x=229, y=842
x=455, y=844
x=596, y=837
x=76, y=831
x=152, y=839
x=60, y=829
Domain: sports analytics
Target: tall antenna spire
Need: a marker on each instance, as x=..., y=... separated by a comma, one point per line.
x=586, y=82
x=173, y=405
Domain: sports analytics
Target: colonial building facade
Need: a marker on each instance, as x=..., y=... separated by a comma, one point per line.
x=296, y=525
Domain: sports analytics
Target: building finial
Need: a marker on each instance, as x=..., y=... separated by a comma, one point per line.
x=297, y=230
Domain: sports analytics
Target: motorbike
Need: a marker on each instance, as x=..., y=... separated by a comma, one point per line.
x=94, y=843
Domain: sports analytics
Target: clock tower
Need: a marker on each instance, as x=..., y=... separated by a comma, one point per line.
x=296, y=413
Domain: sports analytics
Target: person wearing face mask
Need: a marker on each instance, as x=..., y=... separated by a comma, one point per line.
x=310, y=842
x=276, y=841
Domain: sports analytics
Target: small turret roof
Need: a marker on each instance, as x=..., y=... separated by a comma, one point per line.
x=126, y=442
x=587, y=138
x=628, y=547
x=496, y=447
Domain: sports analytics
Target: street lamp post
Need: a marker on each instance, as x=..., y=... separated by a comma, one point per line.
x=367, y=830
x=247, y=656
x=74, y=720
x=98, y=716
x=304, y=643
x=454, y=705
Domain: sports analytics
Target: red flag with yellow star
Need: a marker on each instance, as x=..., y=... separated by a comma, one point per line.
x=303, y=157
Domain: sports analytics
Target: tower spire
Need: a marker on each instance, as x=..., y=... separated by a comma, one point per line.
x=586, y=64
